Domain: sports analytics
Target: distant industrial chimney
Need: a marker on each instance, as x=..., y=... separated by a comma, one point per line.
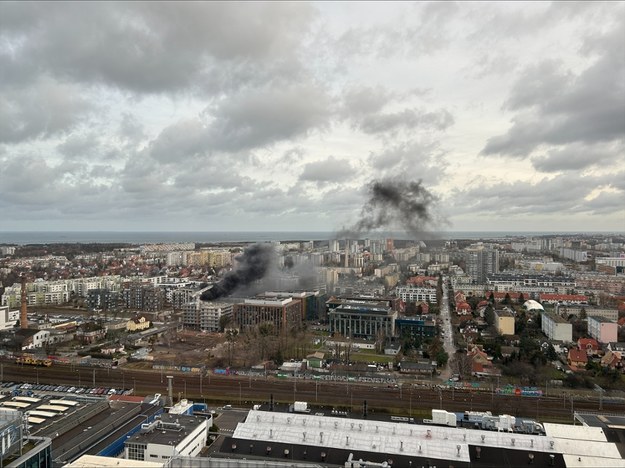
x=170, y=389
x=24, y=306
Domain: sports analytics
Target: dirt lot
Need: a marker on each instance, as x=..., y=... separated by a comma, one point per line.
x=190, y=348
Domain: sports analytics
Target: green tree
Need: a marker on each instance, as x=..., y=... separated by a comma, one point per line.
x=521, y=299
x=507, y=300
x=441, y=358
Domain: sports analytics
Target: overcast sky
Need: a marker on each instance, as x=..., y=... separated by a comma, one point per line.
x=276, y=116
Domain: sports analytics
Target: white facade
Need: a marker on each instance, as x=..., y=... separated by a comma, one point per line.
x=171, y=435
x=8, y=318
x=205, y=315
x=415, y=294
x=556, y=328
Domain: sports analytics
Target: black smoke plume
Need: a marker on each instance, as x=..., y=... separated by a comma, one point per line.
x=394, y=204
x=253, y=264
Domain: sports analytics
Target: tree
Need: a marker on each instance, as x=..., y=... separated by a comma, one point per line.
x=489, y=315
x=521, y=299
x=583, y=314
x=551, y=353
x=231, y=337
x=441, y=358
x=507, y=300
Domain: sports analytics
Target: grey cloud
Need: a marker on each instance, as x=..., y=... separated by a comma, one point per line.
x=577, y=157
x=149, y=46
x=44, y=109
x=558, y=107
x=80, y=146
x=130, y=129
x=366, y=100
x=562, y=195
x=261, y=117
x=180, y=141
x=328, y=170
x=407, y=119
x=418, y=159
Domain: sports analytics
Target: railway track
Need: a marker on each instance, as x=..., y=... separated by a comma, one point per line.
x=244, y=391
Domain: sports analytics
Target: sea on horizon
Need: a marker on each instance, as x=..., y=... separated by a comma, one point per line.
x=154, y=237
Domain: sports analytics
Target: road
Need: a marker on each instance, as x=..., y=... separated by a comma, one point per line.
x=245, y=391
x=448, y=339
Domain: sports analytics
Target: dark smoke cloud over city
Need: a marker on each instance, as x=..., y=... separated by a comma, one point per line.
x=391, y=204
x=252, y=265
x=395, y=204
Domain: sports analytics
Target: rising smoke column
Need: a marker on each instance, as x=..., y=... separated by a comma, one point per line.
x=394, y=204
x=253, y=264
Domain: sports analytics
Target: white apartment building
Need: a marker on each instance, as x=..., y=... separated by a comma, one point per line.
x=416, y=294
x=565, y=310
x=8, y=318
x=204, y=315
x=611, y=261
x=556, y=328
x=574, y=254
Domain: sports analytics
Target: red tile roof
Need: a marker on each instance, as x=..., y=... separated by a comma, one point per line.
x=586, y=343
x=577, y=355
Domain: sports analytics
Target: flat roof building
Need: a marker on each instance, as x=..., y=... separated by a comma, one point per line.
x=602, y=329
x=357, y=320
x=556, y=327
x=168, y=436
x=504, y=322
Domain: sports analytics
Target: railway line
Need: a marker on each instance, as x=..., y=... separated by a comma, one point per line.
x=408, y=400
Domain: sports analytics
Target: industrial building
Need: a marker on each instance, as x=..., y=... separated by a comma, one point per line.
x=305, y=438
x=167, y=436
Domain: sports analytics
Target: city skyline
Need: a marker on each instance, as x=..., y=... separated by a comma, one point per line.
x=277, y=116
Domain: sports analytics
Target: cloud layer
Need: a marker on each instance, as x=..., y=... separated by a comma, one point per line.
x=277, y=115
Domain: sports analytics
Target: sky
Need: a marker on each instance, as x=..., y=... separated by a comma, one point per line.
x=278, y=116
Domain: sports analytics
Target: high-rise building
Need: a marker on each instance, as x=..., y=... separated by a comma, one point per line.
x=480, y=263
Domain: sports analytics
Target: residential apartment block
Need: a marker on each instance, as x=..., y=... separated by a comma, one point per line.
x=556, y=327
x=504, y=322
x=415, y=294
x=205, y=315
x=602, y=329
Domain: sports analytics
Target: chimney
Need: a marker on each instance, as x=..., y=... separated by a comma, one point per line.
x=24, y=306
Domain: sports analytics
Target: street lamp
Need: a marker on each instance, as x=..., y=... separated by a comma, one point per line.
x=240, y=399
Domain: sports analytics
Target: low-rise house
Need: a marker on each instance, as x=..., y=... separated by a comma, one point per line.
x=137, y=324
x=420, y=367
x=612, y=359
x=463, y=308
x=392, y=349
x=90, y=332
x=31, y=338
x=589, y=345
x=577, y=358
